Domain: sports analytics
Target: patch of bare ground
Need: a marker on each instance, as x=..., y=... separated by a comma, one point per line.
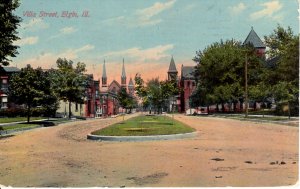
x=224, y=153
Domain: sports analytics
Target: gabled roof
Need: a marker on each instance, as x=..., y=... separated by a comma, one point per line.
x=130, y=84
x=172, y=67
x=123, y=71
x=187, y=72
x=253, y=39
x=104, y=71
x=11, y=69
x=114, y=82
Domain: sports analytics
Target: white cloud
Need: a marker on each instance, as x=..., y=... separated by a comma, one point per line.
x=64, y=31
x=270, y=8
x=73, y=53
x=67, y=30
x=48, y=59
x=27, y=41
x=34, y=24
x=143, y=17
x=154, y=53
x=237, y=9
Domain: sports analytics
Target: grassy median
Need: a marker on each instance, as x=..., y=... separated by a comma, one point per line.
x=145, y=125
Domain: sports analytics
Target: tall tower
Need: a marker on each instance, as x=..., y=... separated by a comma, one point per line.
x=104, y=77
x=257, y=43
x=172, y=72
x=123, y=76
x=131, y=87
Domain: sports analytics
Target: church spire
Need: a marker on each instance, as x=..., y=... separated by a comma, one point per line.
x=123, y=76
x=104, y=77
x=172, y=72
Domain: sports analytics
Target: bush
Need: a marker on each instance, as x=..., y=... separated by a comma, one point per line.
x=13, y=112
x=282, y=109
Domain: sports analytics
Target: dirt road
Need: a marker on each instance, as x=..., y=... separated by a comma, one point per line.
x=224, y=153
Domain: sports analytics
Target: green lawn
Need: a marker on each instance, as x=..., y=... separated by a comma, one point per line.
x=266, y=118
x=17, y=119
x=18, y=126
x=145, y=125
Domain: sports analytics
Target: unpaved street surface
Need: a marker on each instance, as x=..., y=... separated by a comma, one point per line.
x=224, y=153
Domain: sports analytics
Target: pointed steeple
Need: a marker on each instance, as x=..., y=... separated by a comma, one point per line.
x=172, y=66
x=130, y=84
x=253, y=39
x=104, y=70
x=123, y=70
x=172, y=72
x=123, y=76
x=104, y=76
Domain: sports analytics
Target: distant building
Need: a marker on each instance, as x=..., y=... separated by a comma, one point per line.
x=5, y=74
x=187, y=82
x=109, y=104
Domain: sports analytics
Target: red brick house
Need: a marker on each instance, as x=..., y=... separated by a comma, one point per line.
x=5, y=74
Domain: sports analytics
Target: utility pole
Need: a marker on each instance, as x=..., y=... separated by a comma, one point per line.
x=246, y=87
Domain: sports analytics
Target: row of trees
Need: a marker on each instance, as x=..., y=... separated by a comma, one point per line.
x=36, y=87
x=155, y=94
x=220, y=71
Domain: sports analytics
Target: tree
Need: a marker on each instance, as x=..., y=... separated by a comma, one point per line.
x=8, y=30
x=283, y=75
x=50, y=100
x=220, y=73
x=141, y=90
x=70, y=83
x=28, y=87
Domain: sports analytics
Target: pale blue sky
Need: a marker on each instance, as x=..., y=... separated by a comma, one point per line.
x=145, y=33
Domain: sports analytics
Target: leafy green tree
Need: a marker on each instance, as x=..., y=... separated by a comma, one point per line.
x=8, y=30
x=70, y=82
x=220, y=73
x=28, y=87
x=283, y=75
x=50, y=100
x=141, y=90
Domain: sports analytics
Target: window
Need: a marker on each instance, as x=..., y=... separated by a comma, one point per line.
x=4, y=102
x=76, y=107
x=4, y=81
x=4, y=84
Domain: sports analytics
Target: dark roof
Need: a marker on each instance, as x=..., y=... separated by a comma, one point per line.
x=253, y=39
x=271, y=62
x=172, y=67
x=188, y=72
x=11, y=69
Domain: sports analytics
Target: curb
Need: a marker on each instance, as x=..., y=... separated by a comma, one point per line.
x=5, y=132
x=141, y=138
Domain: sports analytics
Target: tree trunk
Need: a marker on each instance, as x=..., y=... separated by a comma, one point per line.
x=234, y=106
x=208, y=109
x=70, y=111
x=28, y=113
x=217, y=109
x=223, y=107
x=254, y=106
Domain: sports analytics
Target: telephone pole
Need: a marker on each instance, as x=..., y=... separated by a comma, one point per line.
x=246, y=87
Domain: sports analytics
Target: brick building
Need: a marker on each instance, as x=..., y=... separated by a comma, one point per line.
x=5, y=74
